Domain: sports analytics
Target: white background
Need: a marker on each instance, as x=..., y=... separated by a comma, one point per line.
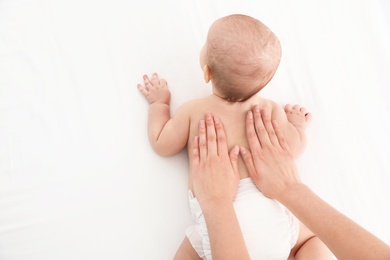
x=78, y=178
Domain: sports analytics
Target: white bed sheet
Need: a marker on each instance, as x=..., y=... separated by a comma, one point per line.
x=78, y=179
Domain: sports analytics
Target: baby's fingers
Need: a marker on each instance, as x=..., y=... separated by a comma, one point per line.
x=163, y=83
x=147, y=82
x=155, y=80
x=143, y=90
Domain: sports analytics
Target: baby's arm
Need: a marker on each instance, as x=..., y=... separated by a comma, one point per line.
x=167, y=135
x=293, y=121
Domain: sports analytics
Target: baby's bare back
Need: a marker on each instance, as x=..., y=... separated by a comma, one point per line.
x=232, y=115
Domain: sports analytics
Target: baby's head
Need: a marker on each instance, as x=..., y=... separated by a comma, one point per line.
x=240, y=56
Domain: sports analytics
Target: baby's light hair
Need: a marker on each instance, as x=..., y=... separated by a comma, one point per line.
x=243, y=55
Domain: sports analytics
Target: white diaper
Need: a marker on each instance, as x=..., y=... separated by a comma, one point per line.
x=269, y=229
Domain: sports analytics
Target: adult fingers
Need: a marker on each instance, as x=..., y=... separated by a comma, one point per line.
x=221, y=137
x=195, y=152
x=202, y=140
x=281, y=140
x=211, y=135
x=266, y=117
x=234, y=159
x=248, y=161
x=251, y=134
x=260, y=128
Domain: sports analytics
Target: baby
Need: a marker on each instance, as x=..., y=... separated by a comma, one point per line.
x=240, y=56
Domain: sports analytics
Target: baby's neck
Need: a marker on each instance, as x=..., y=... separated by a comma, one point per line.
x=221, y=98
x=217, y=96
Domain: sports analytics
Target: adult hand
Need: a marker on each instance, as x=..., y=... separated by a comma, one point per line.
x=215, y=181
x=272, y=168
x=269, y=161
x=214, y=170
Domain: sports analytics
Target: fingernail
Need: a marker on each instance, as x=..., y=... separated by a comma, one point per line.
x=242, y=150
x=250, y=114
x=257, y=109
x=216, y=120
x=275, y=123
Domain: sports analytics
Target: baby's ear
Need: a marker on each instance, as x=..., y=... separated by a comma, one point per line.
x=207, y=73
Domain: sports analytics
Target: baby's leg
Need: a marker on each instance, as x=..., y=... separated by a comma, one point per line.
x=186, y=251
x=298, y=116
x=309, y=246
x=314, y=248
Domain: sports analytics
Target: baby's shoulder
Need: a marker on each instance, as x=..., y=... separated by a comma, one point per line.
x=275, y=108
x=265, y=103
x=193, y=103
x=190, y=107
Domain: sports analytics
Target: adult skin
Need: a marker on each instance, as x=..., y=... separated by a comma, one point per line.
x=214, y=169
x=273, y=170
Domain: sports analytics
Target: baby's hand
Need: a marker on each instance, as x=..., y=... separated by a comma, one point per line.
x=298, y=116
x=155, y=90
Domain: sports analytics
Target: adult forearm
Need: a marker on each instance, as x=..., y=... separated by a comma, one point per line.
x=224, y=231
x=345, y=238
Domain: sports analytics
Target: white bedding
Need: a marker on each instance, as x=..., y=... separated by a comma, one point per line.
x=78, y=178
